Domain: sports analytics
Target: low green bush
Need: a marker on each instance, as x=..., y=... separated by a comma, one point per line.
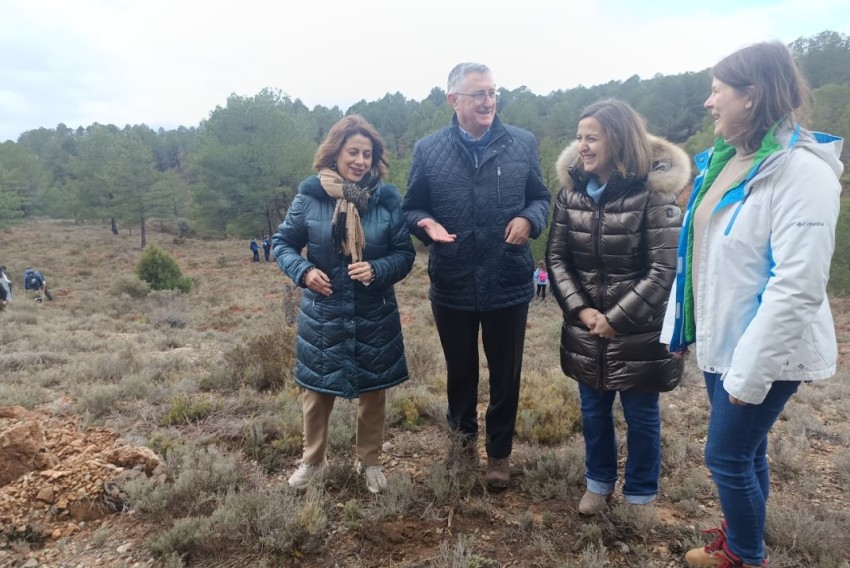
x=160, y=270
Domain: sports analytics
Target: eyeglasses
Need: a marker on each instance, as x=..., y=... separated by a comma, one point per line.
x=481, y=96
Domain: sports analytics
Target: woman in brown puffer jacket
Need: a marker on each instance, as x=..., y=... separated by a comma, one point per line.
x=612, y=260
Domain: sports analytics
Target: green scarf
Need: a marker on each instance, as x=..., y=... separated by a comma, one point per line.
x=720, y=156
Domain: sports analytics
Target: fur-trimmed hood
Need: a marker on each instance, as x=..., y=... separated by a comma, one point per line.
x=670, y=173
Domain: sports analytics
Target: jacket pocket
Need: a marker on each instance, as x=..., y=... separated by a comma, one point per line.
x=516, y=266
x=446, y=267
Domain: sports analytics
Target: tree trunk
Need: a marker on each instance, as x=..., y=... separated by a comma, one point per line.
x=268, y=219
x=144, y=233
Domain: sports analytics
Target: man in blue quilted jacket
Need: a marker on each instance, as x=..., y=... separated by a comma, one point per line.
x=475, y=194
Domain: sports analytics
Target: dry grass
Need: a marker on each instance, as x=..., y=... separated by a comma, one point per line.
x=204, y=379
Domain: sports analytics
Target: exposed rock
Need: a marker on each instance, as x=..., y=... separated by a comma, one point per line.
x=132, y=456
x=21, y=446
x=45, y=495
x=85, y=510
x=16, y=413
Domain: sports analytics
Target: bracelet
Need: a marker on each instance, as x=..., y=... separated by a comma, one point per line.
x=372, y=276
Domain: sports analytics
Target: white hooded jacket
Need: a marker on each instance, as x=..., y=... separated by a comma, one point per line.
x=762, y=312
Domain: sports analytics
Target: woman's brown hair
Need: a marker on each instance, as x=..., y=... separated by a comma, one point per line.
x=626, y=132
x=344, y=129
x=767, y=73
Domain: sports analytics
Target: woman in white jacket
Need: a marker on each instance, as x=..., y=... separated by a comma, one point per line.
x=750, y=291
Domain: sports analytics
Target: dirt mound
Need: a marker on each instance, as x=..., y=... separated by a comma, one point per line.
x=55, y=476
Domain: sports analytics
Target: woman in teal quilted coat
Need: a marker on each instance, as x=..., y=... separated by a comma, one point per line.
x=349, y=332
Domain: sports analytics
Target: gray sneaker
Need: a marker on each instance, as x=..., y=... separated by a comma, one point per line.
x=305, y=472
x=593, y=503
x=375, y=480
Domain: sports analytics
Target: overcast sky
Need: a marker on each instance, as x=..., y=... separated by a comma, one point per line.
x=167, y=63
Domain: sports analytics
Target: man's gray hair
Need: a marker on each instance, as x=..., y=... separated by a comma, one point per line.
x=460, y=71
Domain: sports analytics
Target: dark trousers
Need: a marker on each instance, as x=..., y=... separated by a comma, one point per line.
x=503, y=337
x=256, y=255
x=266, y=252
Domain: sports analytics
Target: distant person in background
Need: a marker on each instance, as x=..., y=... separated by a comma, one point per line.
x=750, y=293
x=255, y=249
x=5, y=289
x=36, y=282
x=6, y=284
x=612, y=260
x=541, y=280
x=267, y=247
x=475, y=194
x=349, y=331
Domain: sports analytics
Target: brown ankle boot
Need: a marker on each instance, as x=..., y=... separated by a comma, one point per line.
x=705, y=556
x=712, y=557
x=498, y=474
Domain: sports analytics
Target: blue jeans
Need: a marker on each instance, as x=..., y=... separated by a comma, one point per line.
x=736, y=455
x=643, y=442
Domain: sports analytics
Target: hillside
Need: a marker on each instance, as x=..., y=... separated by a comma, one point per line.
x=159, y=431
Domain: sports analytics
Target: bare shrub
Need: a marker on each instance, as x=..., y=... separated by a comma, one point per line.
x=23, y=360
x=459, y=555
x=142, y=385
x=24, y=394
x=549, y=411
x=804, y=422
x=695, y=485
x=98, y=400
x=452, y=484
x=168, y=309
x=424, y=355
x=690, y=507
x=187, y=535
x=273, y=439
x=553, y=474
x=398, y=499
x=106, y=367
x=342, y=429
x=218, y=380
x=15, y=318
x=788, y=455
x=130, y=285
x=273, y=520
x=841, y=462
x=814, y=394
x=807, y=534
x=266, y=361
x=193, y=481
x=409, y=406
x=674, y=449
x=634, y=521
x=594, y=556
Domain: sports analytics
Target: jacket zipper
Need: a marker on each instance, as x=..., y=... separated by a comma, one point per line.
x=499, y=184
x=600, y=296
